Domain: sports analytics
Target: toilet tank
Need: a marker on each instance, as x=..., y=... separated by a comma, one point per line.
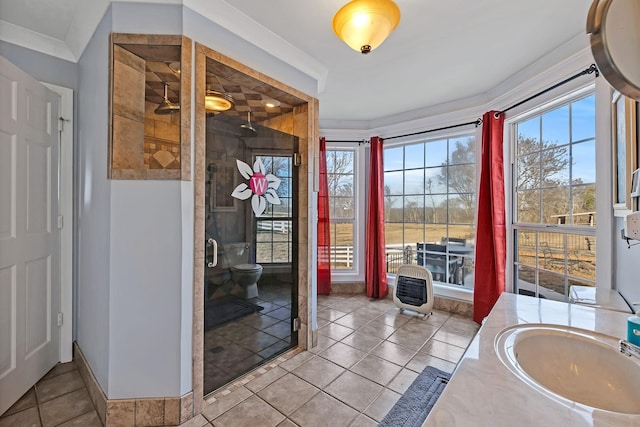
x=234, y=254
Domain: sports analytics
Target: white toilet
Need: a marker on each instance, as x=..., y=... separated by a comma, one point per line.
x=243, y=274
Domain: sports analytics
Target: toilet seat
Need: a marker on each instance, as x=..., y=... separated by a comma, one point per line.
x=247, y=268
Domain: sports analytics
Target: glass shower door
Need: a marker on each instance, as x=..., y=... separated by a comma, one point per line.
x=250, y=206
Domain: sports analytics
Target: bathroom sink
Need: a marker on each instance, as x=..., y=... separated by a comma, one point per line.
x=573, y=366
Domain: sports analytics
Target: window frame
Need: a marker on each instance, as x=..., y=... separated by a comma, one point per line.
x=602, y=184
x=446, y=289
x=290, y=218
x=356, y=273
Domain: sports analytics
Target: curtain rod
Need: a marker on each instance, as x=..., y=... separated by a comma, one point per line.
x=477, y=122
x=592, y=69
x=359, y=142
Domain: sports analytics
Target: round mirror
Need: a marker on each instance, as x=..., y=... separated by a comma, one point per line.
x=614, y=26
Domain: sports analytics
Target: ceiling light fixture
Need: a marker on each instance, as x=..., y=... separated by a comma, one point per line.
x=365, y=24
x=217, y=101
x=270, y=103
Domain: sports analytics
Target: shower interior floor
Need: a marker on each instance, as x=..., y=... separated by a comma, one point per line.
x=233, y=349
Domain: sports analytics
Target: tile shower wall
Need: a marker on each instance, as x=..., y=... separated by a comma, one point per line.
x=161, y=139
x=128, y=109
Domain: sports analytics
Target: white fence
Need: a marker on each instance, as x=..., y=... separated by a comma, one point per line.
x=342, y=256
x=279, y=226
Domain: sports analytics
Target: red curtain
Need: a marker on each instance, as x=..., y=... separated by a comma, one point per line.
x=491, y=243
x=376, y=266
x=324, y=226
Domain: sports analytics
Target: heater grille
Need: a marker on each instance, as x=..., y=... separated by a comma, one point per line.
x=412, y=290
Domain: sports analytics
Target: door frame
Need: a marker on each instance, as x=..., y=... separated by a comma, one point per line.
x=306, y=128
x=65, y=207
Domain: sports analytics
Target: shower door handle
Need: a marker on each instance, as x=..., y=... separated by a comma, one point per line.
x=214, y=253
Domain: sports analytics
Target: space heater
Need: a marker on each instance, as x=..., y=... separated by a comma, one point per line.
x=414, y=289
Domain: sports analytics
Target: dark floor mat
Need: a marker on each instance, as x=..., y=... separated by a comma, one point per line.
x=414, y=405
x=219, y=311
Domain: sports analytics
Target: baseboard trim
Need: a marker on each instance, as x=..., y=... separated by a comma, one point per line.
x=157, y=411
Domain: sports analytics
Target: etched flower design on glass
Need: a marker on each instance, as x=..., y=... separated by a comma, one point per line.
x=262, y=186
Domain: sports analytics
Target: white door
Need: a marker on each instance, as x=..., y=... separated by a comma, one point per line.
x=29, y=236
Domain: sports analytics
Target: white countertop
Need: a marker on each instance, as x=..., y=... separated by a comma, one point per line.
x=483, y=392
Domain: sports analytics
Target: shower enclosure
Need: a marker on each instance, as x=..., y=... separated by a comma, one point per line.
x=250, y=275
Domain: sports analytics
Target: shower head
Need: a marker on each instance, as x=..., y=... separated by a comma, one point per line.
x=166, y=106
x=246, y=129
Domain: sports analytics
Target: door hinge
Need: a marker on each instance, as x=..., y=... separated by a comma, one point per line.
x=297, y=159
x=60, y=222
x=61, y=121
x=296, y=324
x=60, y=319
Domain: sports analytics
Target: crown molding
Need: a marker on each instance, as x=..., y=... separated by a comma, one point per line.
x=20, y=36
x=557, y=65
x=561, y=63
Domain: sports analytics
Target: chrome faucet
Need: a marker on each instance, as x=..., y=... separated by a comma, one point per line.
x=629, y=349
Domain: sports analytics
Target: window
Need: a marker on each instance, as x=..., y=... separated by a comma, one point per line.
x=430, y=200
x=554, y=200
x=341, y=180
x=273, y=234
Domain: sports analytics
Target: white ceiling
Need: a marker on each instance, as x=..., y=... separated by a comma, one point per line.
x=442, y=50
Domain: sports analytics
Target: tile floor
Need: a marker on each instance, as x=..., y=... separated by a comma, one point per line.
x=236, y=347
x=367, y=355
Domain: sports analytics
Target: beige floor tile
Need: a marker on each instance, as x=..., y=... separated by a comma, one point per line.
x=335, y=331
x=330, y=314
x=363, y=421
x=318, y=371
x=376, y=369
x=362, y=341
x=293, y=387
x=28, y=400
x=65, y=408
x=354, y=390
x=345, y=306
x=352, y=321
x=297, y=360
x=57, y=386
x=377, y=329
x=402, y=381
x=422, y=360
x=343, y=355
x=27, y=418
x=438, y=317
x=323, y=410
x=197, y=421
x=90, y=419
x=369, y=311
x=393, y=353
x=453, y=338
x=395, y=318
x=411, y=338
x=383, y=404
x=421, y=327
x=461, y=326
x=265, y=379
x=60, y=368
x=251, y=412
x=288, y=393
x=442, y=350
x=324, y=343
x=224, y=403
